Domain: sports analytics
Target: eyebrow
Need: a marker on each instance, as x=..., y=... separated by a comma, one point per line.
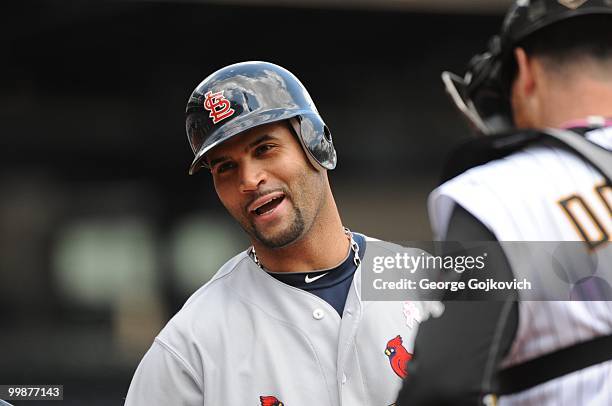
x=263, y=138
x=215, y=161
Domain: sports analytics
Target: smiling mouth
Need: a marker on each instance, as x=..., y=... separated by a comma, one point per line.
x=268, y=205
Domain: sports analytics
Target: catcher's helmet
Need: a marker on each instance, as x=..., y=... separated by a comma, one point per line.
x=249, y=94
x=482, y=94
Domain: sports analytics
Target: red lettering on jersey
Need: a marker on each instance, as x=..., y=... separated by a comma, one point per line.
x=218, y=105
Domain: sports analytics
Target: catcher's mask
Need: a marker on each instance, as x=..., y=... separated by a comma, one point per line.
x=483, y=93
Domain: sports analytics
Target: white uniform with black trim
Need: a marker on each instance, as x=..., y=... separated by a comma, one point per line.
x=518, y=199
x=246, y=335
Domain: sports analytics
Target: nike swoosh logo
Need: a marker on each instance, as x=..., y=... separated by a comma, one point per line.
x=308, y=279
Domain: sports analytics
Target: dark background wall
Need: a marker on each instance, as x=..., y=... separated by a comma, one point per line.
x=102, y=233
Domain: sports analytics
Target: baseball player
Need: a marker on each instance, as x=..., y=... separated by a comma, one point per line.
x=549, y=69
x=282, y=323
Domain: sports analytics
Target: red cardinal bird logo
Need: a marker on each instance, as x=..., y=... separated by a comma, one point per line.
x=398, y=357
x=270, y=401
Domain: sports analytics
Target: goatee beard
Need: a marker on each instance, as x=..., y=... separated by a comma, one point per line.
x=286, y=237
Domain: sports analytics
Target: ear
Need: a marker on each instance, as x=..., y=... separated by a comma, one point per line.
x=525, y=83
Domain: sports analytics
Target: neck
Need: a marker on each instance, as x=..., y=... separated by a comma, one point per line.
x=324, y=245
x=576, y=100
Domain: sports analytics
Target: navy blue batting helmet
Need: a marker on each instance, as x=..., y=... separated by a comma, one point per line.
x=245, y=95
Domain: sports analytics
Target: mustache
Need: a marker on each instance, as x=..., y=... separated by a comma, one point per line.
x=261, y=193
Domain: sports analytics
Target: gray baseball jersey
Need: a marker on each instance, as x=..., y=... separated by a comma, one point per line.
x=544, y=194
x=246, y=338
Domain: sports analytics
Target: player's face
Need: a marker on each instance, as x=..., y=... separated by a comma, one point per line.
x=266, y=182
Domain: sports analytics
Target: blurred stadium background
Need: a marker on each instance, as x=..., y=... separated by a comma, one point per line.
x=103, y=235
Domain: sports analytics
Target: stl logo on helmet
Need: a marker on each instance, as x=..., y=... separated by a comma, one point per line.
x=218, y=106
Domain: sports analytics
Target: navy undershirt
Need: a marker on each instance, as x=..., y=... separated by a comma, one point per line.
x=334, y=286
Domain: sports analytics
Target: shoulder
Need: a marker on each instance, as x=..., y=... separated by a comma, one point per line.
x=479, y=151
x=525, y=170
x=205, y=310
x=182, y=348
x=515, y=195
x=216, y=283
x=187, y=338
x=377, y=246
x=502, y=151
x=495, y=189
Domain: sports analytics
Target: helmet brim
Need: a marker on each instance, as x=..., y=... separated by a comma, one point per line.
x=237, y=127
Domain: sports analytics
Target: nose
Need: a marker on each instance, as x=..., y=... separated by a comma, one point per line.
x=252, y=176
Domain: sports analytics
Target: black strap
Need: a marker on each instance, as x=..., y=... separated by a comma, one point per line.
x=479, y=151
x=599, y=157
x=554, y=365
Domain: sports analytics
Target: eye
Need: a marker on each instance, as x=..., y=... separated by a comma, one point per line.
x=263, y=148
x=224, y=167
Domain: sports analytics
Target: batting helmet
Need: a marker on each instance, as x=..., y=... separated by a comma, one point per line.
x=245, y=95
x=482, y=94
